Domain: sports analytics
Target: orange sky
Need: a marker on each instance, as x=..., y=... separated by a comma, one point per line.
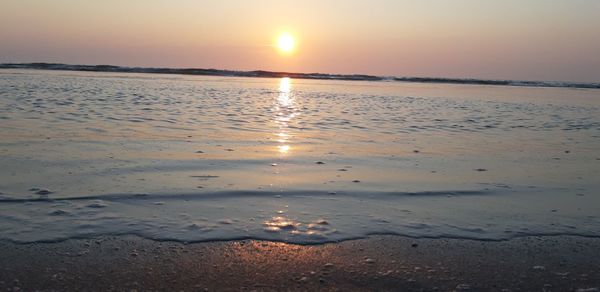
x=531, y=39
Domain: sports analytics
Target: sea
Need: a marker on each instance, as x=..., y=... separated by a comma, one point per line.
x=204, y=158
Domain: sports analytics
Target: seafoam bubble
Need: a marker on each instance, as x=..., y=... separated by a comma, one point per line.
x=42, y=192
x=309, y=234
x=321, y=222
x=278, y=223
x=97, y=204
x=313, y=226
x=198, y=227
x=59, y=212
x=226, y=221
x=315, y=230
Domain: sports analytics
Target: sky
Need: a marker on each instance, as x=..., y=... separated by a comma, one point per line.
x=493, y=39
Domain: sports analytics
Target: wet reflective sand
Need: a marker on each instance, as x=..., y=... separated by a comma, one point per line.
x=382, y=263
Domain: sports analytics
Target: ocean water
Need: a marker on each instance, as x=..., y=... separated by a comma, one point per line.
x=191, y=158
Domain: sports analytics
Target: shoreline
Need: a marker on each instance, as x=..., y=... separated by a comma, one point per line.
x=380, y=262
x=307, y=243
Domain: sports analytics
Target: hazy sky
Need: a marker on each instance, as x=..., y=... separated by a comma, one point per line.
x=503, y=39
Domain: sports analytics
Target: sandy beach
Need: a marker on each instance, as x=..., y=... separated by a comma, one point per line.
x=383, y=263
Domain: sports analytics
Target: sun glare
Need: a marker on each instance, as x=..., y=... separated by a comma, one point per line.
x=286, y=43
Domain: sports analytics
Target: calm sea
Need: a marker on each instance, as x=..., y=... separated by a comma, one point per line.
x=193, y=158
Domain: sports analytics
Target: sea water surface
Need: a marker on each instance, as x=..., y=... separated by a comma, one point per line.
x=192, y=158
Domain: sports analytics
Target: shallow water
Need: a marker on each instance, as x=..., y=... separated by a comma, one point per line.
x=211, y=158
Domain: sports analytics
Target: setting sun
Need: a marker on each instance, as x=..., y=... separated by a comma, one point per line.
x=286, y=43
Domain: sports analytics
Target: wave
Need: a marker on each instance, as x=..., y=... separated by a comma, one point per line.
x=271, y=74
x=4, y=198
x=302, y=217
x=500, y=82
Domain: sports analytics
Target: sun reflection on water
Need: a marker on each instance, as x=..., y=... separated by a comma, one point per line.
x=283, y=149
x=285, y=111
x=285, y=84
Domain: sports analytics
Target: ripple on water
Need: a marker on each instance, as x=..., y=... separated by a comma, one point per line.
x=128, y=134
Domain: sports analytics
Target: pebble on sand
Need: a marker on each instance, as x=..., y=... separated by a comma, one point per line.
x=319, y=162
x=481, y=169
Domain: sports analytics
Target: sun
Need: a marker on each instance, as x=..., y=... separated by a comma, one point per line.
x=286, y=43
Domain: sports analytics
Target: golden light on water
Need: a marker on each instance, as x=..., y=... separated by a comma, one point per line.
x=283, y=149
x=284, y=98
x=285, y=112
x=283, y=137
x=286, y=43
x=285, y=84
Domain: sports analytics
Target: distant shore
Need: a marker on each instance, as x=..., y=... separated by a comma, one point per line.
x=271, y=74
x=383, y=263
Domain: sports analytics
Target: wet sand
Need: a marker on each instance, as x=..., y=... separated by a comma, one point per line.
x=553, y=263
